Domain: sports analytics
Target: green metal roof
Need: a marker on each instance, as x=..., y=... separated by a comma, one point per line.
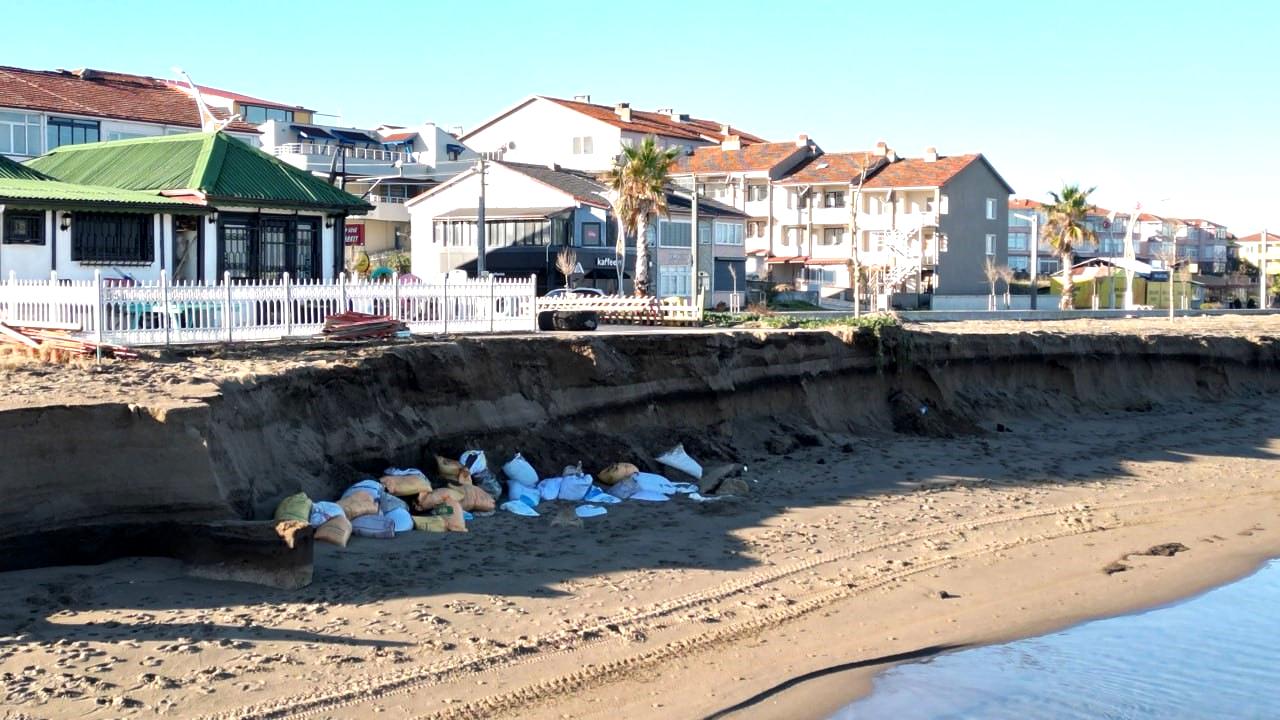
x=225, y=170
x=11, y=169
x=25, y=192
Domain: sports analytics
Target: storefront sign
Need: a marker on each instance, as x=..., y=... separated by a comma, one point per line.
x=355, y=235
x=606, y=262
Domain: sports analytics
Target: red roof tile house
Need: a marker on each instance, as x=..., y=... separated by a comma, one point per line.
x=582, y=135
x=44, y=109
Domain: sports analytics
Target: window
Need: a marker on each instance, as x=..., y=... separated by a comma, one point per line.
x=583, y=146
x=757, y=193
x=256, y=114
x=19, y=133
x=23, y=228
x=675, y=280
x=991, y=244
x=798, y=199
x=728, y=233
x=1020, y=263
x=992, y=209
x=730, y=275
x=265, y=247
x=591, y=236
x=117, y=135
x=1048, y=266
x=820, y=275
x=832, y=236
x=69, y=131
x=833, y=199
x=944, y=205
x=114, y=238
x=1018, y=241
x=675, y=234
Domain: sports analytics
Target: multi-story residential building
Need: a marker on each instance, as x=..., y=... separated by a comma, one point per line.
x=581, y=135
x=1204, y=244
x=44, y=109
x=1110, y=228
x=1249, y=249
x=388, y=166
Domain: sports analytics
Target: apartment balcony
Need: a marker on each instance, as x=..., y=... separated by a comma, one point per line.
x=390, y=209
x=828, y=215
x=318, y=158
x=903, y=221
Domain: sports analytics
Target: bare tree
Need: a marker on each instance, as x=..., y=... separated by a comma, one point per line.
x=1006, y=276
x=566, y=263
x=1168, y=256
x=992, y=272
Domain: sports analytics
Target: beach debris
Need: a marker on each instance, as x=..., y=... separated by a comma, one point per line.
x=944, y=595
x=589, y=511
x=474, y=461
x=678, y=459
x=1115, y=567
x=58, y=337
x=734, y=486
x=1165, y=550
x=567, y=517
x=360, y=326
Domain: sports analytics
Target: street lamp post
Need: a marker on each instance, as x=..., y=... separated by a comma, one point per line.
x=1034, y=218
x=480, y=229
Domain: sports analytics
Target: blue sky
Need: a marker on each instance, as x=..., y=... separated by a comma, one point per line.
x=1175, y=105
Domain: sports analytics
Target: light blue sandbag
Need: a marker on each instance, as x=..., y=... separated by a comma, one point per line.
x=369, y=486
x=521, y=471
x=400, y=519
x=375, y=526
x=323, y=511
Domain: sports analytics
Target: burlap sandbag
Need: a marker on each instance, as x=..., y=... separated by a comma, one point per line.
x=430, y=523
x=453, y=519
x=440, y=496
x=448, y=469
x=336, y=530
x=477, y=500
x=358, y=504
x=295, y=507
x=616, y=472
x=404, y=485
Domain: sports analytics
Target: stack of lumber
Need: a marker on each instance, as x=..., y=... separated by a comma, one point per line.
x=360, y=326
x=59, y=337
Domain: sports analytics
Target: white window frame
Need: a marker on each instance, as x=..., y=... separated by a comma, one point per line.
x=679, y=276
x=991, y=244
x=725, y=233
x=993, y=209
x=583, y=145
x=826, y=234
x=30, y=121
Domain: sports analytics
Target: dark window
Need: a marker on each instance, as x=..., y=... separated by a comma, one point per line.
x=266, y=247
x=256, y=114
x=725, y=270
x=833, y=199
x=69, y=131
x=112, y=238
x=23, y=228
x=591, y=234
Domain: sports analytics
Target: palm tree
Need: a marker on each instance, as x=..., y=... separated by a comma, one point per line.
x=639, y=180
x=1066, y=230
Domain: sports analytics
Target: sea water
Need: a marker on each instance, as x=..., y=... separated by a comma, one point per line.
x=1216, y=655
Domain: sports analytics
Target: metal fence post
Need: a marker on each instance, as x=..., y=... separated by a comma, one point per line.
x=97, y=311
x=446, y=311
x=164, y=306
x=288, y=305
x=226, y=305
x=493, y=308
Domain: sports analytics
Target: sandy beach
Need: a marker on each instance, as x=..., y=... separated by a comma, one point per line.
x=844, y=553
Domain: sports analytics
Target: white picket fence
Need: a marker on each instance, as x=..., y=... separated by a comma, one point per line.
x=164, y=313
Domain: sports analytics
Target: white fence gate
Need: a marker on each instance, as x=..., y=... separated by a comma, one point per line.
x=127, y=313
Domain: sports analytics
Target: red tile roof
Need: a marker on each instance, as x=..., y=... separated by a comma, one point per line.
x=400, y=136
x=205, y=89
x=1022, y=204
x=102, y=94
x=758, y=156
x=918, y=172
x=836, y=168
x=1257, y=237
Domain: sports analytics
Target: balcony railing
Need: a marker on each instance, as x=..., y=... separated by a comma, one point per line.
x=386, y=200
x=378, y=155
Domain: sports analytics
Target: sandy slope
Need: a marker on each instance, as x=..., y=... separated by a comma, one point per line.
x=678, y=610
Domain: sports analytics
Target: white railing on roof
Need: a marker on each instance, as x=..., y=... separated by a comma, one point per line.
x=357, y=153
x=386, y=200
x=161, y=313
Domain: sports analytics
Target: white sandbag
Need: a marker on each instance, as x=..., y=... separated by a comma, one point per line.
x=474, y=461
x=518, y=492
x=400, y=519
x=402, y=471
x=677, y=458
x=596, y=495
x=516, y=507
x=550, y=488
x=574, y=487
x=589, y=511
x=652, y=482
x=521, y=471
x=649, y=496
x=323, y=511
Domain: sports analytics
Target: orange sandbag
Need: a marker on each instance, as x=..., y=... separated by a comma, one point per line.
x=430, y=523
x=454, y=519
x=358, y=504
x=616, y=473
x=464, y=477
x=402, y=485
x=336, y=530
x=475, y=499
x=448, y=469
x=438, y=497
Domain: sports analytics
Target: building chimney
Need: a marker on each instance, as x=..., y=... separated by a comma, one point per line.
x=725, y=129
x=457, y=131
x=882, y=149
x=802, y=141
x=679, y=117
x=731, y=142
x=624, y=111
x=931, y=154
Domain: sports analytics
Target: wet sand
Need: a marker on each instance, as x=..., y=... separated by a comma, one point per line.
x=839, y=555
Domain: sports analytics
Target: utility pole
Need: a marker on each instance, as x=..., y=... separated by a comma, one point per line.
x=480, y=229
x=693, y=220
x=1262, y=271
x=1034, y=219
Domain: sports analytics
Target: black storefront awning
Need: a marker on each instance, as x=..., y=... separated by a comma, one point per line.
x=312, y=133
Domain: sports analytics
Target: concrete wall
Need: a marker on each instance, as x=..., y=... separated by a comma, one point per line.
x=960, y=269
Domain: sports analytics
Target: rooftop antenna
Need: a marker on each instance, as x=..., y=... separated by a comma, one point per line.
x=208, y=123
